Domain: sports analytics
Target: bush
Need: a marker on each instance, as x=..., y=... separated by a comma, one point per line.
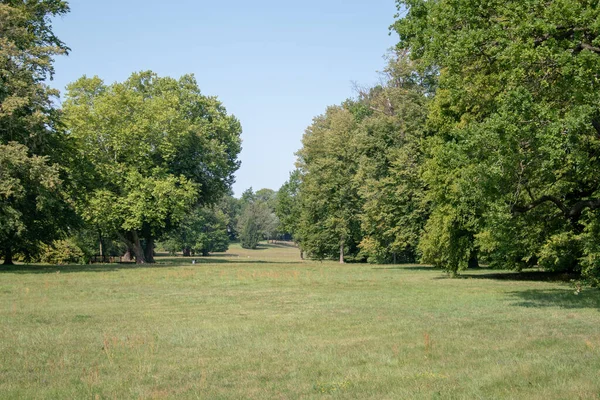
x=560, y=253
x=62, y=252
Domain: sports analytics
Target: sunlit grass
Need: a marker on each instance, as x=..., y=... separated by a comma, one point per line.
x=264, y=324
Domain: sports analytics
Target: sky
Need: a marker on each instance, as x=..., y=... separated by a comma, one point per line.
x=274, y=64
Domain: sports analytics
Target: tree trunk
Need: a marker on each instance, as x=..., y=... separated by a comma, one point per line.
x=8, y=256
x=101, y=248
x=149, y=250
x=187, y=252
x=341, y=252
x=136, y=246
x=128, y=256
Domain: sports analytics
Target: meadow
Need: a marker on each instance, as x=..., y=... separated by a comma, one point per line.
x=264, y=324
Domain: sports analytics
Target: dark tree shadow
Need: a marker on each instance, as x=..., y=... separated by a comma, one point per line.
x=163, y=263
x=409, y=267
x=564, y=298
x=277, y=245
x=534, y=276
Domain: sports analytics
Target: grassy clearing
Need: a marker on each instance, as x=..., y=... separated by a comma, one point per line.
x=263, y=324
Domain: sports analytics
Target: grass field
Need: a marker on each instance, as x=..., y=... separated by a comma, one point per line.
x=263, y=324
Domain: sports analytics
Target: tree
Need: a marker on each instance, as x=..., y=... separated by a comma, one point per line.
x=27, y=48
x=389, y=147
x=330, y=209
x=513, y=170
x=34, y=207
x=287, y=206
x=267, y=196
x=249, y=228
x=203, y=231
x=257, y=220
x=157, y=148
x=30, y=201
x=231, y=207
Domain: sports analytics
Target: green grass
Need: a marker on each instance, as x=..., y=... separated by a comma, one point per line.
x=263, y=324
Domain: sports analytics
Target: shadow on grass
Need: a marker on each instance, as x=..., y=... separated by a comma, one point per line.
x=276, y=245
x=408, y=267
x=162, y=263
x=564, y=298
x=533, y=276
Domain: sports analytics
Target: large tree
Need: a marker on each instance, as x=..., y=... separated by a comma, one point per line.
x=389, y=146
x=330, y=210
x=155, y=147
x=33, y=146
x=514, y=167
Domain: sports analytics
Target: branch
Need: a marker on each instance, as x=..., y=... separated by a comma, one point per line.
x=541, y=200
x=589, y=47
x=573, y=213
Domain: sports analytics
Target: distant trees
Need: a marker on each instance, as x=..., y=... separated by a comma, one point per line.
x=153, y=148
x=287, y=206
x=201, y=232
x=480, y=145
x=358, y=192
x=257, y=220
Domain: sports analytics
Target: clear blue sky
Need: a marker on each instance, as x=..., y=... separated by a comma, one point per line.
x=274, y=64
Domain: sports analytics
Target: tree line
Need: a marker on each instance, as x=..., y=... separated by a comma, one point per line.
x=113, y=170
x=480, y=145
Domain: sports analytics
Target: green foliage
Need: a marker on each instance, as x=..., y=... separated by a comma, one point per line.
x=250, y=234
x=27, y=48
x=257, y=220
x=231, y=207
x=330, y=210
x=33, y=148
x=389, y=144
x=445, y=243
x=62, y=252
x=31, y=202
x=152, y=149
x=203, y=231
x=287, y=206
x=361, y=193
x=513, y=163
x=560, y=252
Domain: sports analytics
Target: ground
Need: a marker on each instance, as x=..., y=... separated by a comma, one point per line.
x=264, y=324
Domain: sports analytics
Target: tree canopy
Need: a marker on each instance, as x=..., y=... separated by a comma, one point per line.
x=513, y=167
x=154, y=147
x=34, y=208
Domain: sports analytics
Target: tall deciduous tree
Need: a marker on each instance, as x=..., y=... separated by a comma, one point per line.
x=32, y=145
x=157, y=148
x=389, y=145
x=330, y=216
